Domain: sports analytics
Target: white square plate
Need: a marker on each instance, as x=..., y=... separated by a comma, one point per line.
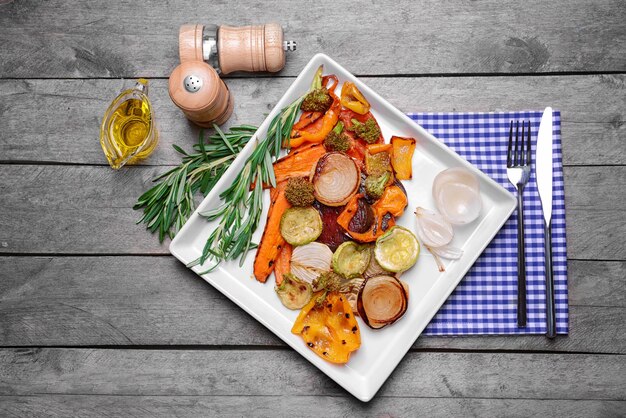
x=381, y=350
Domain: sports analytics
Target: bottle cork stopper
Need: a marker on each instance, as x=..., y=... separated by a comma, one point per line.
x=197, y=90
x=251, y=48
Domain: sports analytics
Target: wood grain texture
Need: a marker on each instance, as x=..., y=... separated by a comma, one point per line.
x=237, y=372
x=88, y=210
x=593, y=111
x=300, y=406
x=115, y=39
x=157, y=301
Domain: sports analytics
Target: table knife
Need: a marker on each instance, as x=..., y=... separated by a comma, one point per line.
x=543, y=170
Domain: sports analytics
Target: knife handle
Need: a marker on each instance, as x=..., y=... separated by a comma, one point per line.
x=521, y=263
x=550, y=308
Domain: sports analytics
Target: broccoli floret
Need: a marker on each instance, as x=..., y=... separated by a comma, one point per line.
x=336, y=142
x=318, y=100
x=329, y=281
x=368, y=131
x=375, y=185
x=299, y=192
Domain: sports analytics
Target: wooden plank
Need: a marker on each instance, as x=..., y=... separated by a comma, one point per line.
x=300, y=406
x=157, y=301
x=116, y=39
x=239, y=372
x=66, y=130
x=88, y=210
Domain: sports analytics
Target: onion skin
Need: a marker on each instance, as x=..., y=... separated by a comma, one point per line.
x=310, y=260
x=371, y=292
x=336, y=179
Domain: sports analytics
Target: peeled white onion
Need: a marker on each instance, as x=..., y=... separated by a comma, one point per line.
x=432, y=229
x=447, y=251
x=457, y=195
x=310, y=260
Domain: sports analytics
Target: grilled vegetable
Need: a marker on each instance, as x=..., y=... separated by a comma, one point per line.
x=382, y=301
x=368, y=131
x=336, y=140
x=310, y=260
x=352, y=98
x=298, y=163
x=299, y=226
x=271, y=241
x=402, y=157
x=377, y=164
x=329, y=328
x=293, y=292
x=333, y=234
x=282, y=265
x=336, y=179
x=375, y=185
x=381, y=224
x=319, y=100
x=397, y=250
x=299, y=192
x=351, y=259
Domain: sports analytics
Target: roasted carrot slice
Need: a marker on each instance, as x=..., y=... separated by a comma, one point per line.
x=271, y=241
x=298, y=163
x=283, y=263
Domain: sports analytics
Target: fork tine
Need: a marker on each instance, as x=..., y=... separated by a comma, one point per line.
x=516, y=152
x=509, y=161
x=522, y=154
x=528, y=148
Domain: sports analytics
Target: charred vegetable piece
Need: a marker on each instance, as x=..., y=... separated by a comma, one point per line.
x=299, y=226
x=293, y=292
x=328, y=281
x=376, y=148
x=392, y=201
x=282, y=265
x=310, y=260
x=323, y=126
x=298, y=163
x=352, y=98
x=332, y=234
x=336, y=140
x=271, y=241
x=377, y=164
x=374, y=232
x=319, y=100
x=329, y=328
x=336, y=179
x=397, y=250
x=402, y=157
x=382, y=301
x=375, y=185
x=351, y=259
x=299, y=192
x=368, y=131
x=363, y=219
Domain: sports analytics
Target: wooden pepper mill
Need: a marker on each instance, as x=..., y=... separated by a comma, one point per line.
x=206, y=51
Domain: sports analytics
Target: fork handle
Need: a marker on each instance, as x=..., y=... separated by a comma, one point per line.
x=521, y=262
x=550, y=307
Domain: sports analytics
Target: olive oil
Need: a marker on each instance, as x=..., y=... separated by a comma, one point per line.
x=128, y=133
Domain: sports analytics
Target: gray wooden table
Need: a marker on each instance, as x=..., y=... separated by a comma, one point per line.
x=96, y=318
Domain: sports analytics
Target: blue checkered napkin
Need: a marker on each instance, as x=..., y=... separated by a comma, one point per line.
x=485, y=302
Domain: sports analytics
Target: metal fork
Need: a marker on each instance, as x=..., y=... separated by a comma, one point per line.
x=518, y=171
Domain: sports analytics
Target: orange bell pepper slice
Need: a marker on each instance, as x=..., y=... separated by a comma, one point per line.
x=402, y=157
x=353, y=99
x=329, y=120
x=374, y=232
x=329, y=328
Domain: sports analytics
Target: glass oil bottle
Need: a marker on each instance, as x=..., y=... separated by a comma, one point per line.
x=128, y=132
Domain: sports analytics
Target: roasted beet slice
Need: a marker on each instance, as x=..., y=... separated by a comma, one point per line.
x=363, y=219
x=332, y=235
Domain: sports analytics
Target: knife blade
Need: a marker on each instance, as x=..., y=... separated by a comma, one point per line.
x=543, y=170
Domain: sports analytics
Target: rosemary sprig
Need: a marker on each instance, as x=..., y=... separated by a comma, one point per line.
x=240, y=211
x=168, y=204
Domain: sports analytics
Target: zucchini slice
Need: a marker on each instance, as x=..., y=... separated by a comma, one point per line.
x=351, y=259
x=300, y=226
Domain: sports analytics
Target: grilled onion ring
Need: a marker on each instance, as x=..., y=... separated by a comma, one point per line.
x=336, y=179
